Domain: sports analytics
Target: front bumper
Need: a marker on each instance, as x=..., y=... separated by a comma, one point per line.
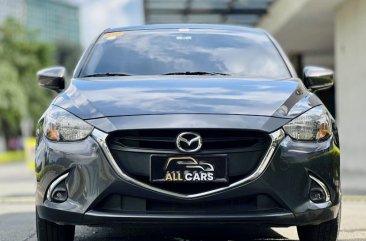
x=270, y=218
x=92, y=178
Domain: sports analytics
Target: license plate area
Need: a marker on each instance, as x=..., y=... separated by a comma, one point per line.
x=189, y=169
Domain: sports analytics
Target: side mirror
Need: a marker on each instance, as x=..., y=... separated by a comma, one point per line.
x=318, y=78
x=52, y=78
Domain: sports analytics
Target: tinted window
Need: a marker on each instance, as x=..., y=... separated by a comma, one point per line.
x=156, y=52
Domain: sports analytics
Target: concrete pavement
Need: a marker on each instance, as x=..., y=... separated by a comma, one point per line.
x=17, y=218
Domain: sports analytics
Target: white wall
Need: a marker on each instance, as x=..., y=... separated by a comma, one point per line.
x=350, y=63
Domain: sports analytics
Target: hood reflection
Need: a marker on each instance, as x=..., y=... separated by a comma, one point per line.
x=99, y=97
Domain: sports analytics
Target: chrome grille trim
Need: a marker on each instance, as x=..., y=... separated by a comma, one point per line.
x=276, y=138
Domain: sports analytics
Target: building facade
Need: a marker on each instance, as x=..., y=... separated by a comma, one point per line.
x=12, y=8
x=56, y=20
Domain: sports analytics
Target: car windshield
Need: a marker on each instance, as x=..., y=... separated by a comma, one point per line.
x=249, y=54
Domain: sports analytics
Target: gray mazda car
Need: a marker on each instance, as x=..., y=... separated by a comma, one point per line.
x=187, y=125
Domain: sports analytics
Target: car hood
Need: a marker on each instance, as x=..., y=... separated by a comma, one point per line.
x=90, y=98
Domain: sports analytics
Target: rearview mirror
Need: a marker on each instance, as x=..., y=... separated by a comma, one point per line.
x=52, y=78
x=318, y=78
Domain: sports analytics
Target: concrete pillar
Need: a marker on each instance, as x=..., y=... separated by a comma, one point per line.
x=350, y=63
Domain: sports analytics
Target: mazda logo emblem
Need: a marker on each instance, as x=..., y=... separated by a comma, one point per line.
x=189, y=142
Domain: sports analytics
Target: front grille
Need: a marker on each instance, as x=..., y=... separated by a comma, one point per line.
x=164, y=140
x=132, y=150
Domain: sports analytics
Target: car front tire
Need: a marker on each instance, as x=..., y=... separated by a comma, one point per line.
x=48, y=231
x=327, y=231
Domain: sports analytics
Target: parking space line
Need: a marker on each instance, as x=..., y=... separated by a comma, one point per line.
x=16, y=200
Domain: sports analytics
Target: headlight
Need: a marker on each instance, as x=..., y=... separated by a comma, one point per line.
x=60, y=125
x=313, y=125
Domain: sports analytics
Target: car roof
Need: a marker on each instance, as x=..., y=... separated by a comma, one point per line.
x=190, y=26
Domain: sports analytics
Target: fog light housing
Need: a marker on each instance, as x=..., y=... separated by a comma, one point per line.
x=59, y=194
x=57, y=191
x=317, y=195
x=318, y=192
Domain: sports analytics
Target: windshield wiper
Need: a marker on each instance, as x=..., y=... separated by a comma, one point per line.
x=195, y=73
x=106, y=75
